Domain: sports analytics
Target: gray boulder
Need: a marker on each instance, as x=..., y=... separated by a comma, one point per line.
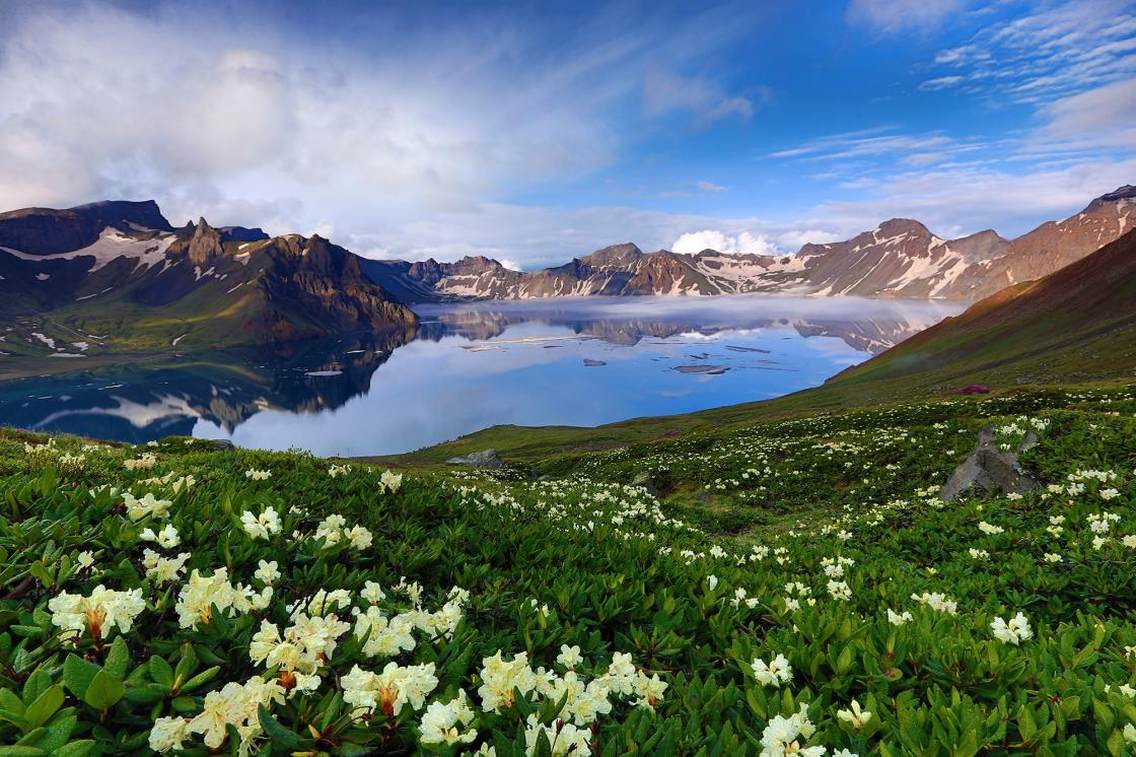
x=486, y=458
x=990, y=470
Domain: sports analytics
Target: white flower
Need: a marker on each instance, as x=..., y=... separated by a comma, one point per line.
x=444, y=723
x=569, y=657
x=98, y=613
x=898, y=619
x=258, y=475
x=988, y=528
x=854, y=716
x=775, y=673
x=499, y=679
x=1017, y=630
x=267, y=572
x=782, y=736
x=372, y=592
x=163, y=569
x=359, y=537
x=390, y=481
x=237, y=705
x=137, y=509
x=390, y=690
x=839, y=591
x=167, y=538
x=261, y=526
x=564, y=738
x=168, y=733
x=938, y=602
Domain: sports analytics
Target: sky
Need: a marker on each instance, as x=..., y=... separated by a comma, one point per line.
x=536, y=132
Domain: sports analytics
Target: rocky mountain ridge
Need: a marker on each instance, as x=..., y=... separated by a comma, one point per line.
x=899, y=258
x=118, y=276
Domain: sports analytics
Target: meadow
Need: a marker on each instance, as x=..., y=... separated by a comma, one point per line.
x=791, y=587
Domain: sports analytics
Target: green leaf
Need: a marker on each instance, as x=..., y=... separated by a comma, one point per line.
x=104, y=691
x=201, y=678
x=117, y=659
x=78, y=674
x=161, y=672
x=37, y=683
x=76, y=749
x=45, y=705
x=281, y=737
x=59, y=730
x=39, y=572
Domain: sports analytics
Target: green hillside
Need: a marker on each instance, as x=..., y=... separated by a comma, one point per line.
x=799, y=588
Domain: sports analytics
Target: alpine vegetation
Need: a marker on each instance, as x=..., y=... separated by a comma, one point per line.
x=803, y=590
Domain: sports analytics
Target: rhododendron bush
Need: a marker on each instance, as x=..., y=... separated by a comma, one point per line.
x=801, y=590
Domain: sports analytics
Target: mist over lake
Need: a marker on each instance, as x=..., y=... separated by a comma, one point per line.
x=473, y=365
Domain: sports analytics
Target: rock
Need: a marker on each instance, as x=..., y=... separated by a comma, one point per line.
x=709, y=370
x=990, y=470
x=593, y=363
x=657, y=482
x=486, y=458
x=975, y=389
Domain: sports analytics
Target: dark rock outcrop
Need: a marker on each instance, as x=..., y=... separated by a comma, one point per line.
x=486, y=458
x=990, y=470
x=44, y=231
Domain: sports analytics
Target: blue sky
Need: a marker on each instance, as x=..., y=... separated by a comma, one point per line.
x=534, y=132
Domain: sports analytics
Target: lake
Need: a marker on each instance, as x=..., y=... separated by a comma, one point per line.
x=469, y=366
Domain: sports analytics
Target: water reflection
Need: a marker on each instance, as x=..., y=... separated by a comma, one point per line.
x=579, y=362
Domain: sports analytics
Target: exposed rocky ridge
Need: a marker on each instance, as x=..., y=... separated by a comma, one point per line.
x=112, y=274
x=40, y=231
x=899, y=258
x=1083, y=314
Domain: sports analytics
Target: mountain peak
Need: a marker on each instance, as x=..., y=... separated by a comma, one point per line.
x=894, y=226
x=205, y=244
x=1125, y=192
x=613, y=254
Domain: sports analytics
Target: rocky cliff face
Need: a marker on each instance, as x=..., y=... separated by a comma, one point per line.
x=118, y=274
x=41, y=231
x=899, y=258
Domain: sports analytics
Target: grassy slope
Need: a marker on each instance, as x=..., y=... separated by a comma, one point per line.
x=607, y=563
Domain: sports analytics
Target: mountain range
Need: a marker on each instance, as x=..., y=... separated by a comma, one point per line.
x=1074, y=325
x=898, y=258
x=116, y=276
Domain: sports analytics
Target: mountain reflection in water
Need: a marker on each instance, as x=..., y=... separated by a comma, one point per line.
x=468, y=366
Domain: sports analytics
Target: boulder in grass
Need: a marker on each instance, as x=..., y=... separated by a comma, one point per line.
x=486, y=458
x=975, y=389
x=990, y=470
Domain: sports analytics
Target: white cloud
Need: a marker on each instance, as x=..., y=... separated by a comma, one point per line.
x=242, y=119
x=665, y=92
x=1053, y=50
x=1105, y=116
x=939, y=82
x=962, y=200
x=708, y=239
x=512, y=265
x=894, y=16
x=795, y=239
x=707, y=186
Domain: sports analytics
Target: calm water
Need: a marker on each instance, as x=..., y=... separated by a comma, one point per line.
x=579, y=362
